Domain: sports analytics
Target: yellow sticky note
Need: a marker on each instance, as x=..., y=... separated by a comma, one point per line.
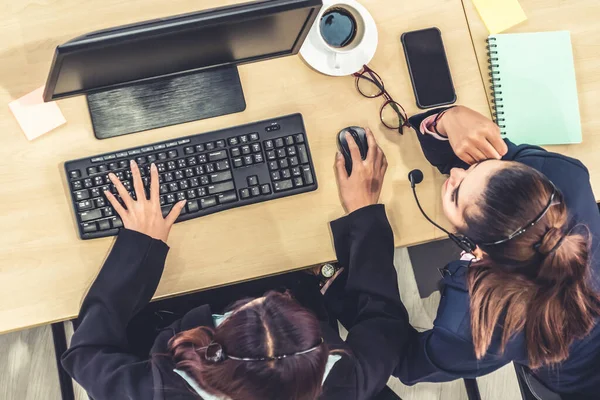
x=499, y=15
x=35, y=116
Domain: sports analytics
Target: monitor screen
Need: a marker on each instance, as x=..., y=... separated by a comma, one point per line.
x=229, y=35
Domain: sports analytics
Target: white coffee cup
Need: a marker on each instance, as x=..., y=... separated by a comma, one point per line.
x=337, y=52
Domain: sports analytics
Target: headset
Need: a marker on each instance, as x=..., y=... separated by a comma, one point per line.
x=464, y=242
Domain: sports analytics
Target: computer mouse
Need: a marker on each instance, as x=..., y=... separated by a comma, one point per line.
x=360, y=137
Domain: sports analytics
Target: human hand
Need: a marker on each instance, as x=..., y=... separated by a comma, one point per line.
x=472, y=136
x=143, y=215
x=363, y=186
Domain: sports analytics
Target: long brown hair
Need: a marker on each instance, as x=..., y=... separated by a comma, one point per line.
x=275, y=325
x=538, y=281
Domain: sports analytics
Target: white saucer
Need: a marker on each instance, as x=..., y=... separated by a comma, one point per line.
x=321, y=58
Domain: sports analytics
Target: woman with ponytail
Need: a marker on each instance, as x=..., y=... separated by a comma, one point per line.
x=529, y=290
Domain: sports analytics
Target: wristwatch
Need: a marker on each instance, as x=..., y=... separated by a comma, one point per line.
x=326, y=272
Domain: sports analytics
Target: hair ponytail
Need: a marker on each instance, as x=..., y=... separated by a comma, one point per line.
x=539, y=281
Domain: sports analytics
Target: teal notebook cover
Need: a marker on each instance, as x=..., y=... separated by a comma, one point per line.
x=534, y=87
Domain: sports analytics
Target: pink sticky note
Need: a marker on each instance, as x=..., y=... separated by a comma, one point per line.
x=35, y=116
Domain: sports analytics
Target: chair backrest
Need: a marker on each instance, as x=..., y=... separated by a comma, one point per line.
x=531, y=387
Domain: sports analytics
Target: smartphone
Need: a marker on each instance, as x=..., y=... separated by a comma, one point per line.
x=428, y=68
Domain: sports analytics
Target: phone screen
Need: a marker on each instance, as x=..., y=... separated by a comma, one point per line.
x=428, y=67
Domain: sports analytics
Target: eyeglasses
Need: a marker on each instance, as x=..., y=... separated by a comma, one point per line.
x=370, y=85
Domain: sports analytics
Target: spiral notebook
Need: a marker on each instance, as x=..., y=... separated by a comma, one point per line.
x=534, y=88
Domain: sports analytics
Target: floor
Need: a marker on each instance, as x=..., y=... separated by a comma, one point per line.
x=28, y=370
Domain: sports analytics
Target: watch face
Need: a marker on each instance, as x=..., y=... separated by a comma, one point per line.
x=328, y=270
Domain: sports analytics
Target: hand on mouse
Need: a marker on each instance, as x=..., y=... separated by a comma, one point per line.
x=472, y=136
x=363, y=186
x=143, y=215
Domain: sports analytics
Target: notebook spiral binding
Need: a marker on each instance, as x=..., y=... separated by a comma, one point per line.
x=496, y=86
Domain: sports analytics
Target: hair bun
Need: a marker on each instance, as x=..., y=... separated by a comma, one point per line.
x=551, y=240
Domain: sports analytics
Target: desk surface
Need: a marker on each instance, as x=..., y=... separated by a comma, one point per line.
x=580, y=17
x=46, y=269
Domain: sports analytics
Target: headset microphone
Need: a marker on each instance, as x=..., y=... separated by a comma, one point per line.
x=415, y=177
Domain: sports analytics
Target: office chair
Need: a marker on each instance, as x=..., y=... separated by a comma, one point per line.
x=531, y=387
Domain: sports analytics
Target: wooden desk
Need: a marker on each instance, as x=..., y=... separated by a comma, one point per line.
x=46, y=269
x=580, y=17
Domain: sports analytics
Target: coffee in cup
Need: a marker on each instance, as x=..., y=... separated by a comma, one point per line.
x=341, y=28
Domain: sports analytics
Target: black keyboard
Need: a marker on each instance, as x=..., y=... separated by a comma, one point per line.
x=213, y=171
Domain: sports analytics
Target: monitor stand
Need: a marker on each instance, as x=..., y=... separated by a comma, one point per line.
x=166, y=101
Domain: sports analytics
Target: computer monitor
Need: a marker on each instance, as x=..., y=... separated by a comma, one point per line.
x=120, y=68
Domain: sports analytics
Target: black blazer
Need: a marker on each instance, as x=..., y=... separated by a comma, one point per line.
x=101, y=360
x=446, y=352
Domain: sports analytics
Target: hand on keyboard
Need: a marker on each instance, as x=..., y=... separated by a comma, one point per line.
x=143, y=215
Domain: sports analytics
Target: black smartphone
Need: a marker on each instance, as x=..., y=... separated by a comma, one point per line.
x=428, y=68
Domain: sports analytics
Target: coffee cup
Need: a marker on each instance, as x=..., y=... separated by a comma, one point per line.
x=341, y=30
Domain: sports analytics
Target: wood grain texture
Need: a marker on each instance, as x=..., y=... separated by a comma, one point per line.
x=46, y=270
x=580, y=17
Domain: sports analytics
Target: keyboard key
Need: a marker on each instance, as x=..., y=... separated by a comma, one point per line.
x=294, y=161
x=279, y=142
x=255, y=147
x=108, y=212
x=191, y=161
x=286, y=174
x=275, y=176
x=121, y=154
x=170, y=198
x=123, y=164
x=166, y=209
x=194, y=182
x=265, y=189
x=222, y=165
x=171, y=166
x=291, y=151
x=217, y=155
x=180, y=196
x=269, y=145
x=188, y=150
x=235, y=152
x=146, y=149
x=296, y=171
x=281, y=153
x=209, y=146
x=190, y=194
x=283, y=185
x=160, y=167
x=258, y=158
x=202, y=159
x=302, y=154
x=183, y=141
x=183, y=185
x=82, y=195
x=162, y=156
x=204, y=180
x=102, y=168
x=221, y=187
x=77, y=185
x=238, y=162
x=221, y=176
x=208, y=202
x=173, y=187
x=199, y=170
x=299, y=138
x=104, y=225
x=90, y=215
x=178, y=175
x=139, y=160
x=100, y=202
x=283, y=163
x=244, y=139
x=134, y=152
x=116, y=222
x=172, y=144
x=74, y=174
x=172, y=153
x=160, y=147
x=227, y=197
x=307, y=174
x=255, y=191
x=244, y=193
x=220, y=144
x=181, y=163
x=271, y=155
x=192, y=206
x=201, y=192
x=89, y=227
x=151, y=158
x=113, y=166
x=233, y=141
x=298, y=181
x=209, y=168
x=289, y=140
x=253, y=136
x=92, y=170
x=188, y=172
x=97, y=159
x=252, y=180
x=246, y=150
x=199, y=147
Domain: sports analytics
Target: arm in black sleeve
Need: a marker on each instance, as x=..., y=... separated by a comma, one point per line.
x=98, y=357
x=379, y=328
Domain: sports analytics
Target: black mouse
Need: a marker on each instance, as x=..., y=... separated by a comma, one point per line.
x=360, y=137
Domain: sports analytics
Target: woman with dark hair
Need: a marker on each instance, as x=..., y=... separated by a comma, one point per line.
x=529, y=293
x=267, y=348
